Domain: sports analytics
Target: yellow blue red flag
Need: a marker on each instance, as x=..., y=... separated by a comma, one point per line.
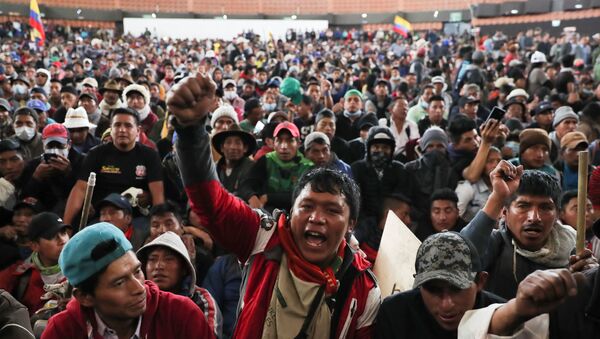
x=35, y=21
x=401, y=26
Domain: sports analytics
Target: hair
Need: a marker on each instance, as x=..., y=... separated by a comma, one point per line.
x=537, y=183
x=444, y=194
x=126, y=111
x=88, y=286
x=566, y=197
x=324, y=180
x=436, y=98
x=459, y=125
x=164, y=208
x=307, y=100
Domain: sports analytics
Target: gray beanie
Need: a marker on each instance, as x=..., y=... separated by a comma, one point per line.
x=433, y=133
x=562, y=113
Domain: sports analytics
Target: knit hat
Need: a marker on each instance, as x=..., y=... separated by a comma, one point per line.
x=325, y=113
x=433, y=133
x=138, y=89
x=224, y=111
x=447, y=256
x=380, y=135
x=531, y=137
x=562, y=113
x=81, y=257
x=290, y=87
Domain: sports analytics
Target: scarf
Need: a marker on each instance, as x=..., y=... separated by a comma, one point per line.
x=106, y=108
x=352, y=115
x=45, y=270
x=557, y=249
x=144, y=112
x=305, y=270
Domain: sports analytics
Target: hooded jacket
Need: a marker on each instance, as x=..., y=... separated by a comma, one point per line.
x=199, y=296
x=243, y=231
x=167, y=316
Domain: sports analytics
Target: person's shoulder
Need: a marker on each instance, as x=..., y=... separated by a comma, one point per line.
x=402, y=300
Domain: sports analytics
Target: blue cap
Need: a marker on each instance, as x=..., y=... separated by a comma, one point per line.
x=37, y=104
x=82, y=257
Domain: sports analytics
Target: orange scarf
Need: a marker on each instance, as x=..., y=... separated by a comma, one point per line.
x=303, y=269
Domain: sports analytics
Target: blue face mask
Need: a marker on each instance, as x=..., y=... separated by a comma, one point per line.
x=269, y=107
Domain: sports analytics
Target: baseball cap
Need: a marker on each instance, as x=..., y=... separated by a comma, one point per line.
x=277, y=114
x=90, y=82
x=353, y=92
x=467, y=100
x=544, y=106
x=573, y=139
x=286, y=125
x=55, y=132
x=37, y=104
x=314, y=136
x=4, y=103
x=447, y=256
x=116, y=200
x=45, y=225
x=229, y=82
x=80, y=259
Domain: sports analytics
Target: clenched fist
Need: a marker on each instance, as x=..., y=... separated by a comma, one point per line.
x=191, y=99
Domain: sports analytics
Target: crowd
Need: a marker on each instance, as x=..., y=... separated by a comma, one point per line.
x=242, y=186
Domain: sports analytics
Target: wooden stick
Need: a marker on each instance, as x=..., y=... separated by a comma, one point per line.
x=581, y=199
x=89, y=192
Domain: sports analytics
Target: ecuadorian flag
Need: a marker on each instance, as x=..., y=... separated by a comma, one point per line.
x=401, y=26
x=35, y=21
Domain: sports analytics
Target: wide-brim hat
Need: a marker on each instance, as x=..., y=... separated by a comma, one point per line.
x=247, y=138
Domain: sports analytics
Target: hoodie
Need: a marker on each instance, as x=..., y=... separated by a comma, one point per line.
x=199, y=296
x=167, y=316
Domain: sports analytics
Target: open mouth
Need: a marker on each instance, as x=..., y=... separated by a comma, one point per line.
x=448, y=318
x=532, y=231
x=314, y=239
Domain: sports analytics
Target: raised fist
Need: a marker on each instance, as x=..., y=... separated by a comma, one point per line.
x=191, y=99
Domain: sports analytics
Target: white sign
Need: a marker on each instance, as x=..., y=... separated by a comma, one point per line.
x=395, y=263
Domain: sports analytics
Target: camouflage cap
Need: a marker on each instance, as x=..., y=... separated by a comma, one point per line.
x=449, y=257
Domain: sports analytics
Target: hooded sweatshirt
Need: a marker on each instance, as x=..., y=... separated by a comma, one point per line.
x=167, y=316
x=199, y=296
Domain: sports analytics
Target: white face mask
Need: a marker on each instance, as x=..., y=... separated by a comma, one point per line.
x=269, y=107
x=19, y=89
x=230, y=95
x=58, y=151
x=25, y=133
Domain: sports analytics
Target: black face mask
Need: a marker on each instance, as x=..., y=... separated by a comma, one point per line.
x=379, y=159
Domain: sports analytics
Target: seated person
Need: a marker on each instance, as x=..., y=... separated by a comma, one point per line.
x=317, y=148
x=443, y=215
x=111, y=298
x=166, y=262
x=568, y=216
x=449, y=282
x=116, y=209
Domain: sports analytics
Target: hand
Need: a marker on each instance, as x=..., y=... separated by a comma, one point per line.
x=60, y=164
x=200, y=234
x=339, y=107
x=505, y=179
x=325, y=86
x=582, y=261
x=8, y=232
x=490, y=131
x=542, y=291
x=191, y=99
x=255, y=202
x=144, y=199
x=43, y=171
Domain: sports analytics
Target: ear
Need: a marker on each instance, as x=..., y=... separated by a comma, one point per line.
x=504, y=212
x=129, y=218
x=351, y=224
x=481, y=279
x=86, y=300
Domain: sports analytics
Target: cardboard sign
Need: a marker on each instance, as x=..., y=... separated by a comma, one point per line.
x=395, y=263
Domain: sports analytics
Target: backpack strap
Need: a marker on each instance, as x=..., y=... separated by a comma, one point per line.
x=22, y=284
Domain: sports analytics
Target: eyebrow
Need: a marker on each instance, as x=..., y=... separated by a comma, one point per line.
x=124, y=275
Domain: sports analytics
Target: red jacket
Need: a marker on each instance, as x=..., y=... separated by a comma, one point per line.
x=10, y=278
x=237, y=227
x=167, y=316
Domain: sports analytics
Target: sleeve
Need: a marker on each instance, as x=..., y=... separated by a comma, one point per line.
x=475, y=324
x=465, y=193
x=232, y=223
x=479, y=232
x=88, y=165
x=153, y=166
x=384, y=324
x=365, y=325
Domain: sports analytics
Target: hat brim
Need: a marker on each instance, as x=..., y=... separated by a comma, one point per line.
x=104, y=89
x=461, y=281
x=62, y=140
x=76, y=125
x=50, y=232
x=219, y=138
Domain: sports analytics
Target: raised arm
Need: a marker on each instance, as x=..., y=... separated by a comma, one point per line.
x=231, y=222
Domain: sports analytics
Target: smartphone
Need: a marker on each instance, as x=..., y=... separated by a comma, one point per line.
x=48, y=156
x=497, y=113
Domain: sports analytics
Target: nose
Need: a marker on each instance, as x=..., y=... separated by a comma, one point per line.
x=316, y=217
x=447, y=302
x=533, y=215
x=137, y=286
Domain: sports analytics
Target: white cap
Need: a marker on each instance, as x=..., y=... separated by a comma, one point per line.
x=77, y=118
x=517, y=92
x=227, y=82
x=537, y=57
x=224, y=111
x=438, y=79
x=90, y=82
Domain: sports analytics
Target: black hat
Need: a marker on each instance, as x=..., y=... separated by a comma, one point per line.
x=467, y=100
x=9, y=145
x=69, y=89
x=118, y=201
x=30, y=203
x=247, y=138
x=45, y=225
x=369, y=119
x=543, y=106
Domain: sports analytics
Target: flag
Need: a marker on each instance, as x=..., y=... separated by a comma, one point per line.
x=35, y=21
x=401, y=26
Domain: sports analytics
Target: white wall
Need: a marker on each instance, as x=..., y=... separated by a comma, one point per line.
x=218, y=29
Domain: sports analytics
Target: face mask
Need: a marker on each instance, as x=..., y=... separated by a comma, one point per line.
x=230, y=95
x=424, y=104
x=352, y=114
x=261, y=82
x=58, y=151
x=19, y=89
x=269, y=107
x=379, y=159
x=25, y=133
x=396, y=79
